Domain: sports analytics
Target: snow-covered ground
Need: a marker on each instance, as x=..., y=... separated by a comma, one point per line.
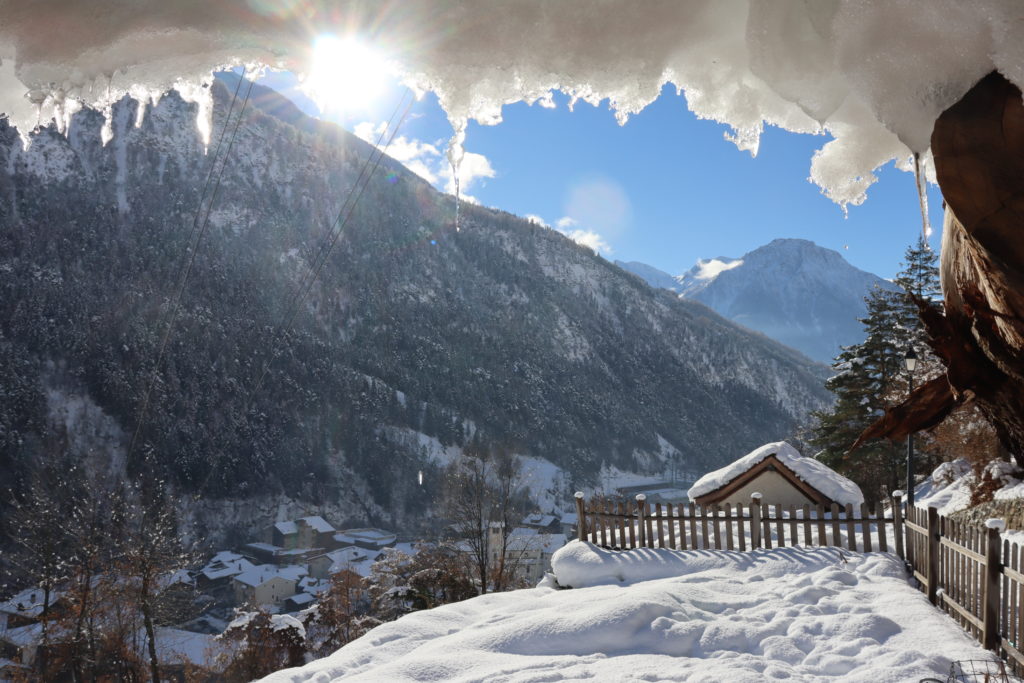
x=949, y=486
x=644, y=615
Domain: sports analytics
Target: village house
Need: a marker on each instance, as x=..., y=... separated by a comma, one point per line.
x=307, y=532
x=20, y=627
x=527, y=552
x=299, y=601
x=658, y=492
x=368, y=538
x=569, y=520
x=220, y=570
x=544, y=523
x=353, y=558
x=266, y=585
x=312, y=585
x=184, y=654
x=781, y=475
x=266, y=553
x=26, y=607
x=19, y=646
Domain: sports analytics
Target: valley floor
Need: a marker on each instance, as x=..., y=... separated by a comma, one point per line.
x=660, y=615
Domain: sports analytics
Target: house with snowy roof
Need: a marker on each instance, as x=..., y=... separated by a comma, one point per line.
x=27, y=607
x=221, y=568
x=352, y=558
x=781, y=475
x=542, y=522
x=307, y=532
x=266, y=584
x=368, y=538
x=298, y=602
x=528, y=552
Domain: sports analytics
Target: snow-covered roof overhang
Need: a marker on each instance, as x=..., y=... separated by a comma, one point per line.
x=874, y=74
x=832, y=486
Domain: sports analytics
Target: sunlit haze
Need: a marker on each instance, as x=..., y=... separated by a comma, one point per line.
x=346, y=75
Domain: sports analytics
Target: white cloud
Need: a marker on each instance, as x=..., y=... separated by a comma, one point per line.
x=428, y=161
x=473, y=168
x=712, y=268
x=567, y=225
x=421, y=158
x=589, y=238
x=533, y=218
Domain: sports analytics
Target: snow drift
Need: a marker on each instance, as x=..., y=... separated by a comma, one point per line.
x=873, y=74
x=802, y=614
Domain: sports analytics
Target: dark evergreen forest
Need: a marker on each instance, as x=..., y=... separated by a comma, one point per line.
x=502, y=332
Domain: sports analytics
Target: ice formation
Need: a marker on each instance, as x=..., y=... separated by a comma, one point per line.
x=873, y=74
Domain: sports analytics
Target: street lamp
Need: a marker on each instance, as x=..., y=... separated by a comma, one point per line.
x=910, y=360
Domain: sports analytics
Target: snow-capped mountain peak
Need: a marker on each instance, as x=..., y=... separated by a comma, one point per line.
x=801, y=294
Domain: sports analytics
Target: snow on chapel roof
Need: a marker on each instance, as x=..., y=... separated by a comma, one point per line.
x=826, y=480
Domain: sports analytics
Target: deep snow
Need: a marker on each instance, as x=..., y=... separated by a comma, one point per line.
x=793, y=613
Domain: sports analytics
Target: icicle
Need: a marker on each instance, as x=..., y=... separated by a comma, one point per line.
x=421, y=477
x=455, y=175
x=922, y=198
x=456, y=151
x=37, y=97
x=107, y=131
x=58, y=110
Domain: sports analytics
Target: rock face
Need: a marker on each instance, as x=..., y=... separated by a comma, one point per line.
x=415, y=338
x=792, y=290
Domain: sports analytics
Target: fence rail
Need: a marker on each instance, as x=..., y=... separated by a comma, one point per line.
x=965, y=570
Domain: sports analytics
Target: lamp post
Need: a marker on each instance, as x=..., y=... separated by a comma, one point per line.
x=910, y=360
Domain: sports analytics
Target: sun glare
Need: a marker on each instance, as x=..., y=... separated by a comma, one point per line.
x=346, y=74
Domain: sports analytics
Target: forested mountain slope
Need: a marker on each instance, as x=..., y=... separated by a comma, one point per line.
x=503, y=331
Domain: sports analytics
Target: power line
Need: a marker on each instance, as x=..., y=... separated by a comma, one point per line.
x=321, y=260
x=194, y=249
x=337, y=228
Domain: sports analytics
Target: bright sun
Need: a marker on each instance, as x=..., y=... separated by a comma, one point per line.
x=346, y=74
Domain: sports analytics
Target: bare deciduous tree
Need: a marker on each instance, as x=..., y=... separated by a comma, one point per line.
x=482, y=498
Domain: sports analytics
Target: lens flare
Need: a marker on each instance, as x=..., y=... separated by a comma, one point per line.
x=346, y=74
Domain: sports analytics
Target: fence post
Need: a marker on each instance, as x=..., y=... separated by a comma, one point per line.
x=993, y=574
x=755, y=520
x=581, y=518
x=897, y=523
x=641, y=513
x=933, y=555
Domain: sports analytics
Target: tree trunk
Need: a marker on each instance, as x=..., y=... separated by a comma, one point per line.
x=978, y=145
x=147, y=619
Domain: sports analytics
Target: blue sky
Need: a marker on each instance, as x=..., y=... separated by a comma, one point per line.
x=665, y=189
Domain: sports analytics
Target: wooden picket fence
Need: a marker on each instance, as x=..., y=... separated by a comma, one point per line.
x=974, y=576
x=966, y=570
x=623, y=526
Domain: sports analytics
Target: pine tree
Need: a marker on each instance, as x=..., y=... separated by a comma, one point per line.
x=870, y=378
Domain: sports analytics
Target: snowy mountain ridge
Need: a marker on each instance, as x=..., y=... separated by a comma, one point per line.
x=414, y=334
x=792, y=290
